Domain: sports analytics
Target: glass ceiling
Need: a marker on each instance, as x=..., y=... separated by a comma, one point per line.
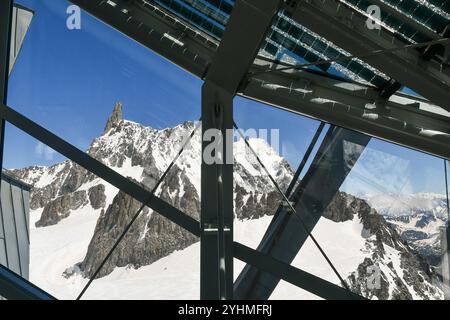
x=290, y=41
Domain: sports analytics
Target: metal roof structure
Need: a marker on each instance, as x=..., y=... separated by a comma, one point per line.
x=350, y=75
x=317, y=58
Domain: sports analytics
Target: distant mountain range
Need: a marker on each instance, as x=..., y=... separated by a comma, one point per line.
x=417, y=217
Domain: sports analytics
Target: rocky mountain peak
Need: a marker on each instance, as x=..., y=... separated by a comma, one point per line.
x=115, y=117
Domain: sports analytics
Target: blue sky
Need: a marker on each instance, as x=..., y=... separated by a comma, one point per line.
x=69, y=80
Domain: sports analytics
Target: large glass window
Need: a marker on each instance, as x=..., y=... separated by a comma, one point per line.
x=363, y=214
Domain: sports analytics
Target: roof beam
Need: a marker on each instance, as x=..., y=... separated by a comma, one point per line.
x=355, y=107
x=341, y=26
x=14, y=287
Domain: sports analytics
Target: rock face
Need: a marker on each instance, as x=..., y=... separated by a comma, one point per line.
x=97, y=196
x=413, y=280
x=115, y=117
x=150, y=238
x=59, y=208
x=143, y=154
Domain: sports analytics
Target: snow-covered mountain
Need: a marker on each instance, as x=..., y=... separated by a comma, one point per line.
x=77, y=217
x=417, y=217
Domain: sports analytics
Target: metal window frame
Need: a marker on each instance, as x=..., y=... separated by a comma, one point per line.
x=225, y=73
x=295, y=91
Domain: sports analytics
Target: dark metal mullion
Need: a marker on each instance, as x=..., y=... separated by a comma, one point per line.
x=228, y=69
x=6, y=10
x=299, y=170
x=305, y=158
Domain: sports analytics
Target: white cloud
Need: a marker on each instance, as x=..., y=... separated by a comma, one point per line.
x=43, y=151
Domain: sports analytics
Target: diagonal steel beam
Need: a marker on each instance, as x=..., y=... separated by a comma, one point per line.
x=99, y=169
x=14, y=287
x=297, y=277
x=285, y=236
x=341, y=26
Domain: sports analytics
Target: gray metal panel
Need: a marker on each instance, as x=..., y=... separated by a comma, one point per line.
x=14, y=287
x=217, y=201
x=12, y=248
x=3, y=259
x=21, y=229
x=99, y=169
x=21, y=20
x=26, y=203
x=287, y=233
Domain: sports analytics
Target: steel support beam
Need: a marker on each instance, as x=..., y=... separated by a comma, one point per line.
x=355, y=107
x=216, y=241
x=341, y=26
x=99, y=169
x=236, y=53
x=286, y=235
x=14, y=287
x=297, y=277
x=239, y=45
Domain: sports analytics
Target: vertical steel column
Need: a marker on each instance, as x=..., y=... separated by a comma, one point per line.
x=5, y=42
x=216, y=264
x=236, y=53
